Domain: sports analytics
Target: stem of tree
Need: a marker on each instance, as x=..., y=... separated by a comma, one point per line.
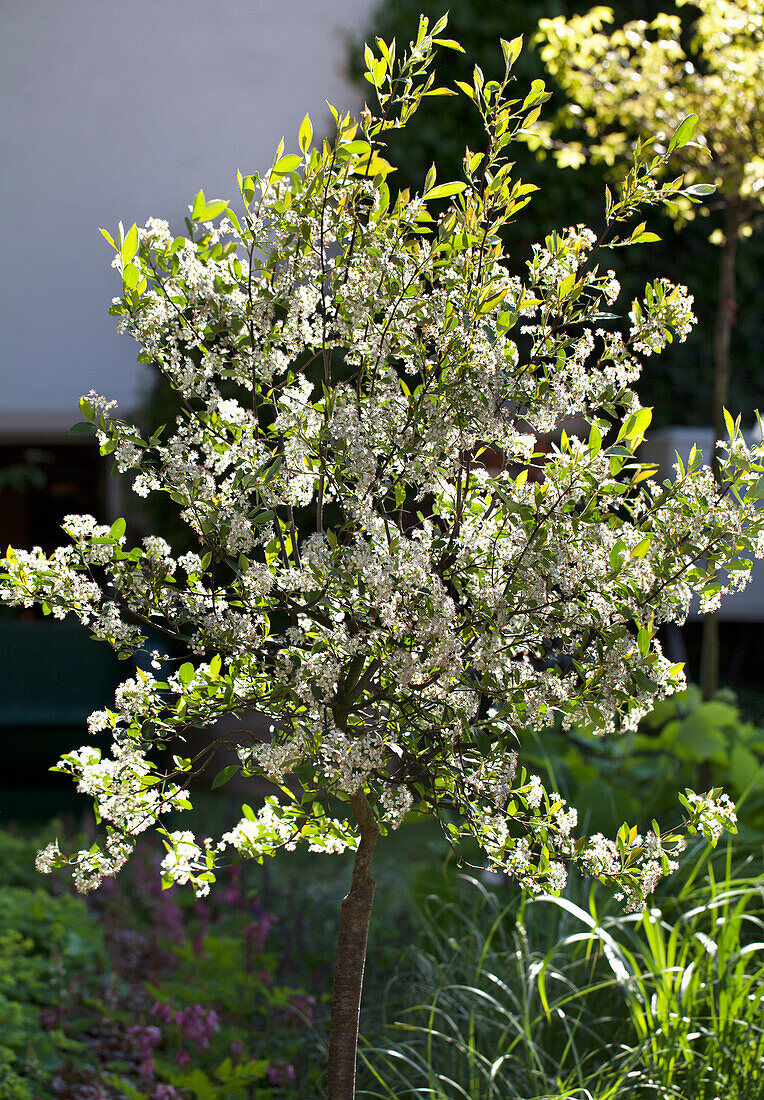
x=726, y=313
x=725, y=320
x=355, y=914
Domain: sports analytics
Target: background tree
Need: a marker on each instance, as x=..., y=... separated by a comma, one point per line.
x=623, y=85
x=434, y=616
x=679, y=389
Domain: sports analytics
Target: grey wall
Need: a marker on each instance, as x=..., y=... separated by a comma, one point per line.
x=120, y=110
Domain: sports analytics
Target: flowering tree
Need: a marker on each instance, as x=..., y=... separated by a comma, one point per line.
x=402, y=617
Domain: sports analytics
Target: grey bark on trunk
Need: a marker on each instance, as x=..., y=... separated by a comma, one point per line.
x=347, y=986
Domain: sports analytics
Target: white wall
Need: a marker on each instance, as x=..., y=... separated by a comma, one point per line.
x=120, y=110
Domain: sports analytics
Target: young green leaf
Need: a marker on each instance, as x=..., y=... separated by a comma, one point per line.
x=305, y=134
x=445, y=190
x=224, y=775
x=130, y=244
x=683, y=132
x=287, y=164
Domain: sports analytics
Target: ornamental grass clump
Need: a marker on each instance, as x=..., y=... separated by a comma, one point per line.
x=345, y=357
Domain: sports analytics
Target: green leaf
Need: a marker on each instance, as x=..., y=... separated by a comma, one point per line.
x=449, y=44
x=636, y=424
x=198, y=206
x=130, y=244
x=131, y=276
x=756, y=491
x=248, y=188
x=744, y=770
x=117, y=529
x=287, y=164
x=700, y=189
x=700, y=735
x=186, y=673
x=224, y=775
x=537, y=94
x=511, y=50
x=445, y=190
x=213, y=209
x=595, y=441
x=108, y=237
x=203, y=211
x=644, y=238
x=616, y=555
x=305, y=134
x=683, y=132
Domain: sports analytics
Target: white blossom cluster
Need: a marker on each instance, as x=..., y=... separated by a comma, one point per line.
x=716, y=813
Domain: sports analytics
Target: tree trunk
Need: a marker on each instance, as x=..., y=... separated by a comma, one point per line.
x=709, y=657
x=355, y=914
x=726, y=312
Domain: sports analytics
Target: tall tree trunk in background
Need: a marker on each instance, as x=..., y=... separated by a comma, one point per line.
x=726, y=313
x=355, y=914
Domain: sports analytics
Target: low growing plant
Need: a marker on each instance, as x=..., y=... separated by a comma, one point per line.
x=436, y=614
x=130, y=994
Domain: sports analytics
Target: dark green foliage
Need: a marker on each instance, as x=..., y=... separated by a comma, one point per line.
x=113, y=995
x=51, y=955
x=682, y=742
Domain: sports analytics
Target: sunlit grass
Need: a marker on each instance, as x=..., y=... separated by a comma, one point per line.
x=566, y=998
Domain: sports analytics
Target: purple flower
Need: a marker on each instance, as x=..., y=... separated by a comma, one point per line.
x=162, y=1011
x=280, y=1074
x=256, y=932
x=232, y=893
x=169, y=918
x=147, y=1038
x=197, y=1024
x=146, y=1070
x=165, y=1092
